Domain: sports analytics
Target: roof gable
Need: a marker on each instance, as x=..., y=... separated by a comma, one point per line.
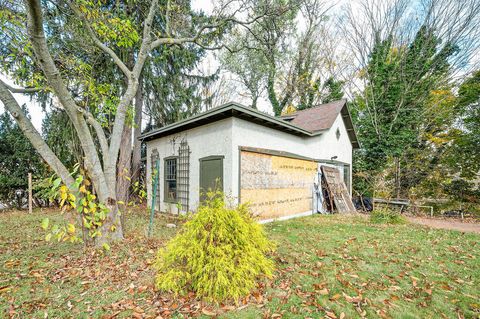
x=322, y=117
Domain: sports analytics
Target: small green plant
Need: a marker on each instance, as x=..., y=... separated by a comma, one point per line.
x=386, y=216
x=219, y=254
x=179, y=207
x=139, y=194
x=82, y=207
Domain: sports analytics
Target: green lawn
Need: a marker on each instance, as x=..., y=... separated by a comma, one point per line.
x=328, y=266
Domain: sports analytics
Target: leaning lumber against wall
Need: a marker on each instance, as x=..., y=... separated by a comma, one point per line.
x=337, y=190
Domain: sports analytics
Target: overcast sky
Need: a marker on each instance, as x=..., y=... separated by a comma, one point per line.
x=34, y=108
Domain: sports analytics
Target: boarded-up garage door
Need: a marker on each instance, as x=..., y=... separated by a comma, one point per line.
x=276, y=186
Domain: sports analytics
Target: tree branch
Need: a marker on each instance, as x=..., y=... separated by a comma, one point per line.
x=167, y=18
x=99, y=43
x=26, y=90
x=32, y=134
x=170, y=40
x=102, y=139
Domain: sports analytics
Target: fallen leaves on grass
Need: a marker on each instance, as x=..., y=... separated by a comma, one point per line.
x=326, y=268
x=5, y=289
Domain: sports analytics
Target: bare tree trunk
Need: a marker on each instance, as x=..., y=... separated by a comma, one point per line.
x=137, y=144
x=124, y=173
x=123, y=165
x=112, y=228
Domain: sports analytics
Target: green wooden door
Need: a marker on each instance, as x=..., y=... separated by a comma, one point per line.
x=211, y=174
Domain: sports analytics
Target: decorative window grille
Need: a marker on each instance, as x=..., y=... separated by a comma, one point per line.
x=183, y=172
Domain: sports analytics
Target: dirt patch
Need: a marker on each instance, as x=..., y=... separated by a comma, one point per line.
x=446, y=224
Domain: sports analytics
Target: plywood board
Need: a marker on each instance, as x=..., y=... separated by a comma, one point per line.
x=276, y=186
x=338, y=190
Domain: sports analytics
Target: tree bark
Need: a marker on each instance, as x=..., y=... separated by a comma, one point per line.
x=272, y=96
x=112, y=228
x=123, y=165
x=137, y=144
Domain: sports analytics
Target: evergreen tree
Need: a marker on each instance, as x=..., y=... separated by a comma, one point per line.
x=334, y=90
x=399, y=82
x=464, y=154
x=389, y=114
x=17, y=158
x=171, y=89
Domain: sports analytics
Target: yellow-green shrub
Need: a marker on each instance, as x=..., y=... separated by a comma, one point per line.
x=219, y=253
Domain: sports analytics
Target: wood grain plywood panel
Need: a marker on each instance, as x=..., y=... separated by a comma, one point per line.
x=276, y=186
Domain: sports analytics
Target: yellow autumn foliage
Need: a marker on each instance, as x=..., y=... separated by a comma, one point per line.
x=289, y=109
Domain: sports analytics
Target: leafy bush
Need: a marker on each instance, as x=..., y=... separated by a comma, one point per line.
x=219, y=253
x=386, y=216
x=462, y=190
x=82, y=206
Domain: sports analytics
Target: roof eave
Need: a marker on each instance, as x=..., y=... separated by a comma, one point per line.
x=218, y=110
x=271, y=119
x=347, y=119
x=231, y=109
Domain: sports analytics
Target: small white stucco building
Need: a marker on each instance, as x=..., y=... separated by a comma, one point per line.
x=270, y=162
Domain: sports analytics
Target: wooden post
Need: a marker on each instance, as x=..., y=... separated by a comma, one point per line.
x=397, y=177
x=30, y=193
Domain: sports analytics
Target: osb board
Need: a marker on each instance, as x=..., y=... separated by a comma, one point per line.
x=276, y=186
x=338, y=190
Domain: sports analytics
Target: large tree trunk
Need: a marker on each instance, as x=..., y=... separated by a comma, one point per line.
x=123, y=166
x=112, y=228
x=123, y=173
x=137, y=144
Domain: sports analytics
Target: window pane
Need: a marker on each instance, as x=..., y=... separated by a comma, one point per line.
x=171, y=179
x=172, y=189
x=171, y=169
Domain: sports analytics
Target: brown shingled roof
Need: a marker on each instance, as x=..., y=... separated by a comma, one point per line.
x=318, y=118
x=321, y=118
